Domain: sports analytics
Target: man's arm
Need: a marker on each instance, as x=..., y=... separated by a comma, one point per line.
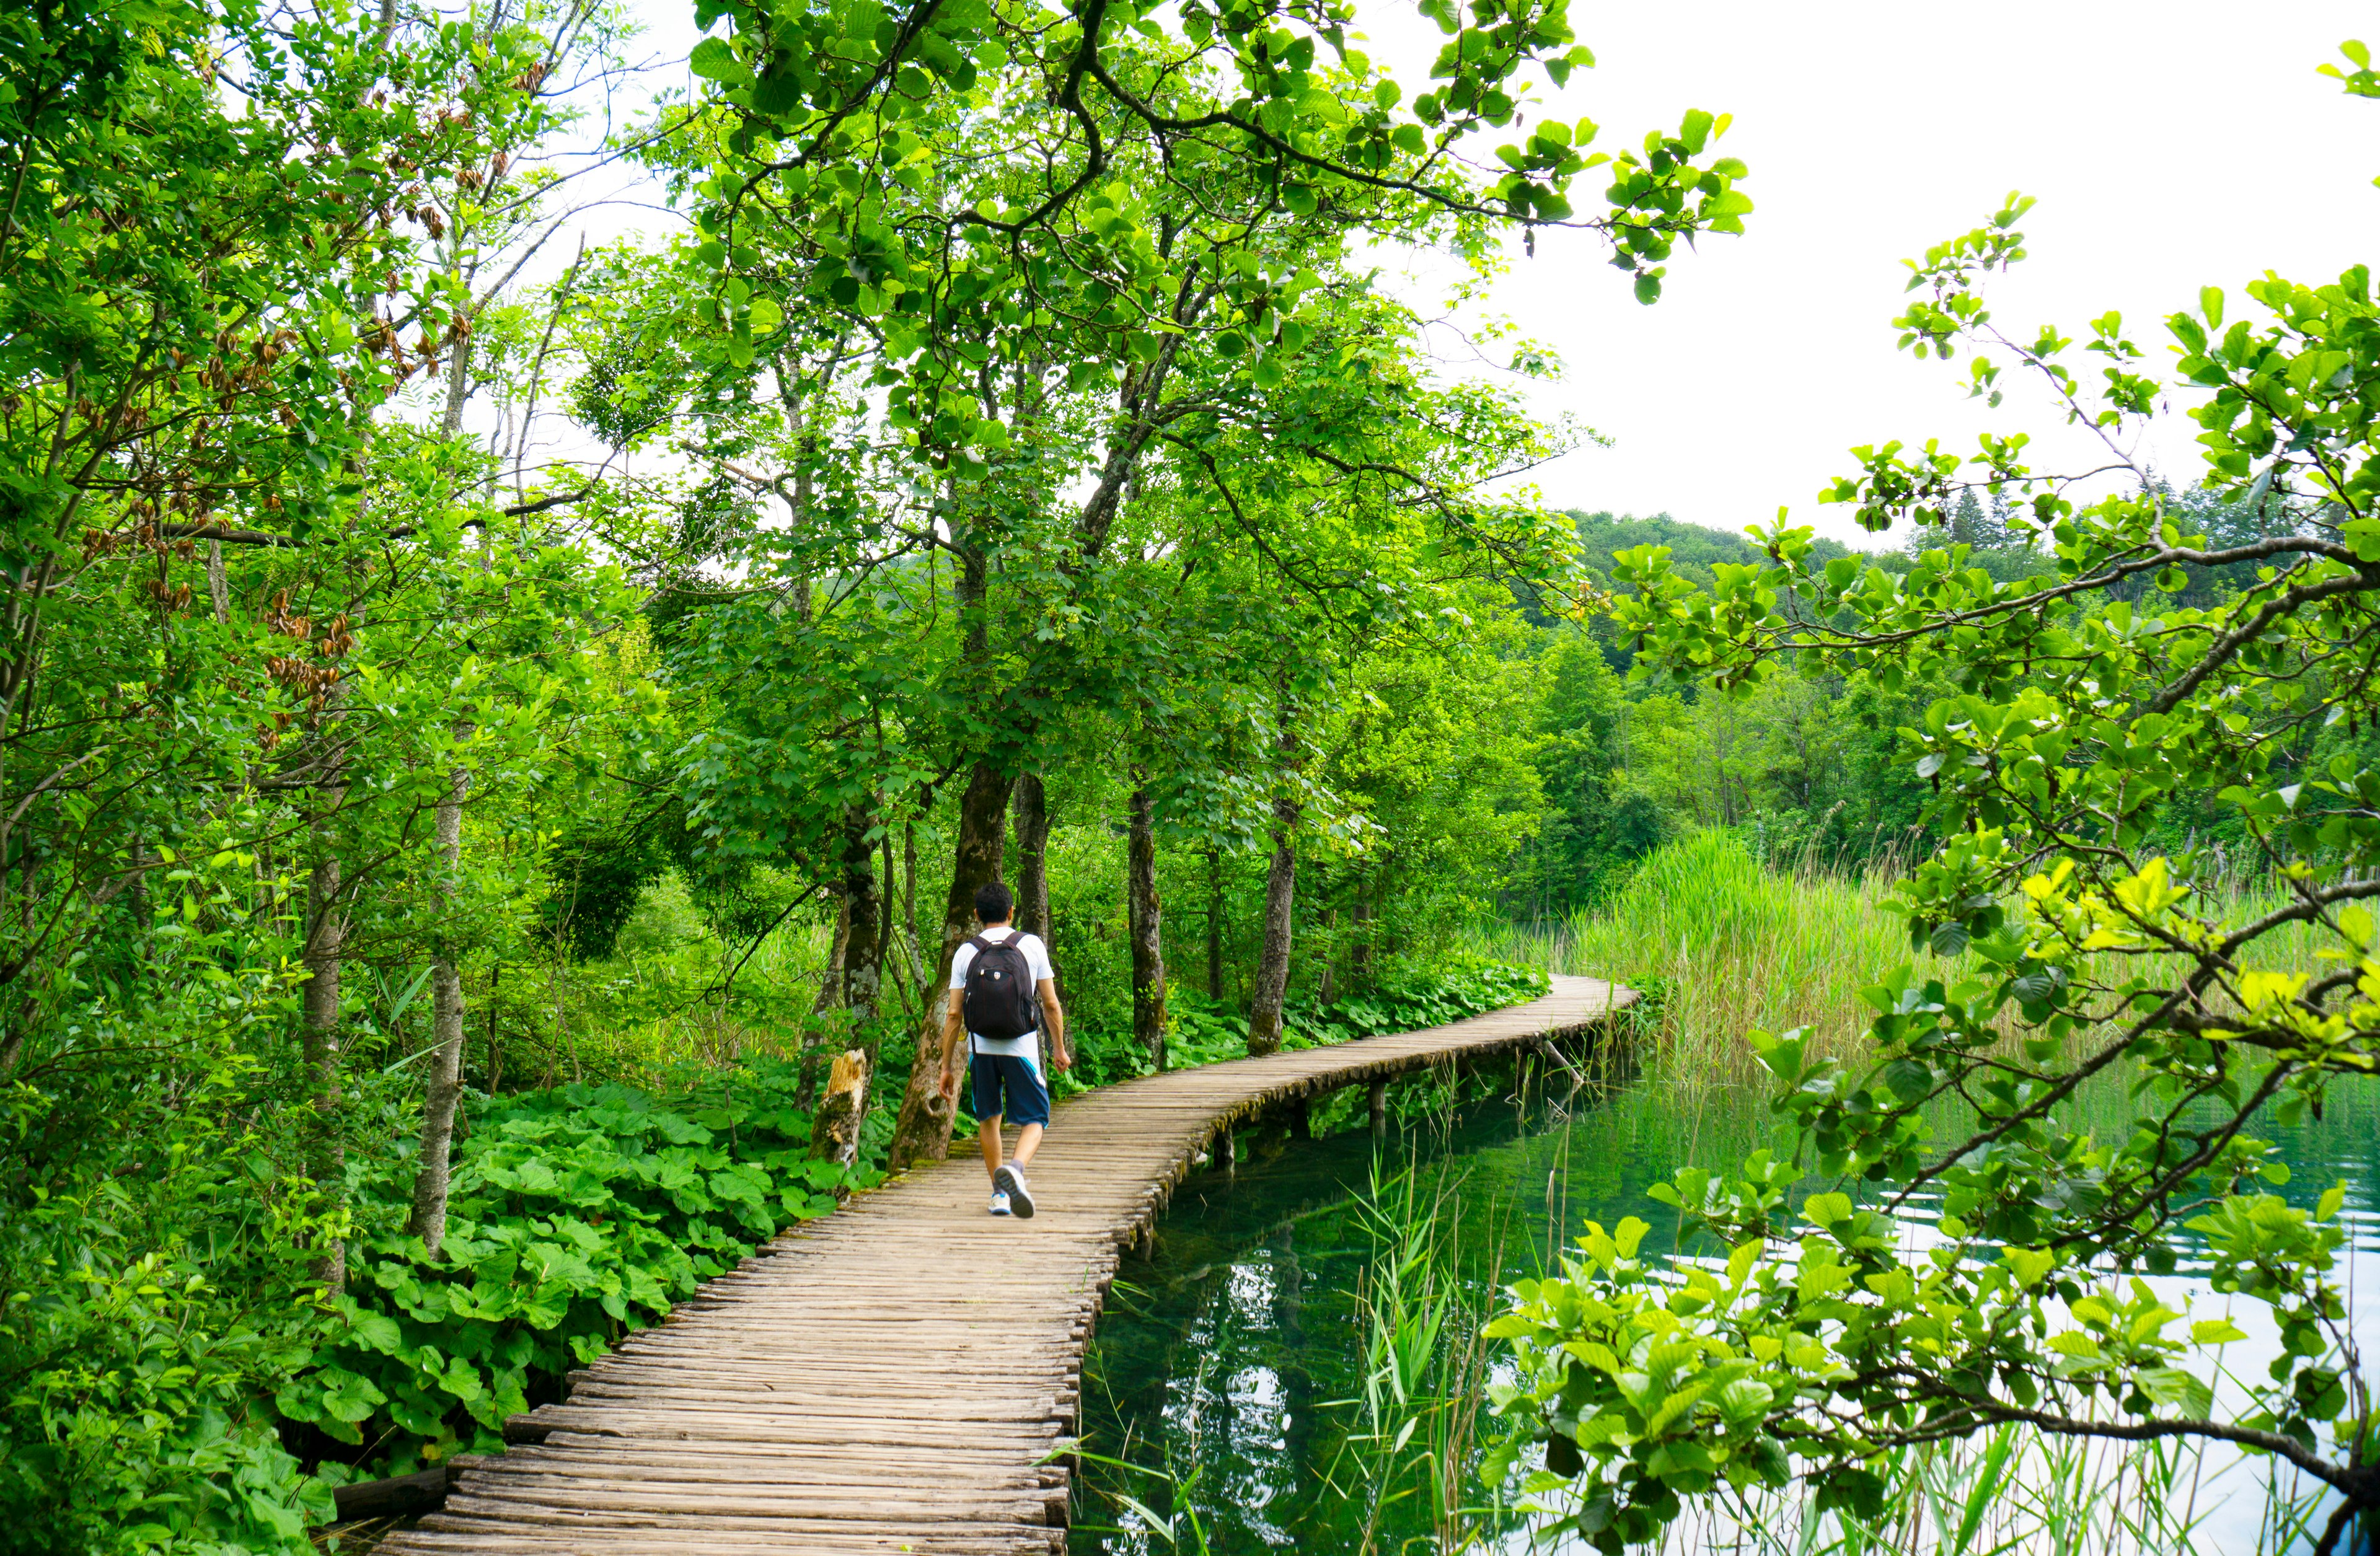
x=953, y=1028
x=1055, y=1018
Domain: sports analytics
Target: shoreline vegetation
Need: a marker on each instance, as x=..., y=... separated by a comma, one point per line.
x=1762, y=945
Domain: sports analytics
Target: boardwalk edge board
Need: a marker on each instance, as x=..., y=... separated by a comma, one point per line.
x=904, y=1375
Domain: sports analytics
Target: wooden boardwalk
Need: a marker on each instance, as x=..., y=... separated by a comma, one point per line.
x=901, y=1376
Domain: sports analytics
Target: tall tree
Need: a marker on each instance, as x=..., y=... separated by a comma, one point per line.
x=1146, y=919
x=443, y=1094
x=1158, y=263
x=1032, y=825
x=1279, y=905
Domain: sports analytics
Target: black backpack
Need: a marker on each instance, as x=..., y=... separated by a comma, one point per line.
x=1000, y=1000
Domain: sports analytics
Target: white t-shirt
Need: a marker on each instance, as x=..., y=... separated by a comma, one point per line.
x=1036, y=958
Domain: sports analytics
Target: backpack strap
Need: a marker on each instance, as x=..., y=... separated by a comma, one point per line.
x=980, y=943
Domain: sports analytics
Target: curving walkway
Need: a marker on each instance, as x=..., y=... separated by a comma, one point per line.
x=901, y=1376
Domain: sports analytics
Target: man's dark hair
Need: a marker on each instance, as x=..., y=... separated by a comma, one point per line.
x=993, y=902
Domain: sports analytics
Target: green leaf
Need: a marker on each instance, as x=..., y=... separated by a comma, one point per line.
x=376, y=1332
x=714, y=59
x=1908, y=1079
x=1825, y=1209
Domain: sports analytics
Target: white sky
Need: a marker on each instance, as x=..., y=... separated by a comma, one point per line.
x=2170, y=146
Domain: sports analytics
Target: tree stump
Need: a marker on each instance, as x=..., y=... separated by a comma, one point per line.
x=834, y=1131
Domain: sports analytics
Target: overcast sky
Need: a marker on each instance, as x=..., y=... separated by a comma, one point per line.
x=2169, y=145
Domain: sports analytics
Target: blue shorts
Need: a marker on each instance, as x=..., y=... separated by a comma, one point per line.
x=989, y=1075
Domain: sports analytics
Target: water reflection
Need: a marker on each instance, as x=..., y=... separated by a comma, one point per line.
x=1230, y=1368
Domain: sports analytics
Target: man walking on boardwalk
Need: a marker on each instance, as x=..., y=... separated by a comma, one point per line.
x=1003, y=994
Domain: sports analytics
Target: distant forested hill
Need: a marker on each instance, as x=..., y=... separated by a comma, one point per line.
x=1692, y=548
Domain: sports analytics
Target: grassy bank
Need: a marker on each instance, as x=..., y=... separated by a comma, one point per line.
x=1720, y=946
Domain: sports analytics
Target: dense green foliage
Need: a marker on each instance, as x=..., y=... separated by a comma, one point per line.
x=437, y=874
x=2158, y=660
x=578, y=1214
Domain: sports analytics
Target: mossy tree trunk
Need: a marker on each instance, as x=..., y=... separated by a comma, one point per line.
x=1272, y=966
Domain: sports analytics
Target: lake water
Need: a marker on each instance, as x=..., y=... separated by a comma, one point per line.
x=1228, y=1375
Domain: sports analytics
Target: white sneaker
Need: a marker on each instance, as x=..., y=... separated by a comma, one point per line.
x=1008, y=1178
x=999, y=1202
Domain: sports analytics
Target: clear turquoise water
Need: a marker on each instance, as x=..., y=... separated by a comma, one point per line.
x=1226, y=1371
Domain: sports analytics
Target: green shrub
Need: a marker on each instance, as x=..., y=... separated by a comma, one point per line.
x=577, y=1216
x=149, y=1244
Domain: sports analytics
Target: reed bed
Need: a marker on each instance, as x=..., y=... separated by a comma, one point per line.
x=1721, y=945
x=2016, y=1492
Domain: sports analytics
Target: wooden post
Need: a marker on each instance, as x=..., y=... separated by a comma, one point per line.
x=1380, y=1107
x=1224, y=1155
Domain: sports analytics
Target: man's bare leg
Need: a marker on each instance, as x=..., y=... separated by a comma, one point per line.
x=987, y=1131
x=1028, y=1140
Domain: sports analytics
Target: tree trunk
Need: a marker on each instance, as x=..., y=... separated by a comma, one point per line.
x=495, y=1039
x=887, y=936
x=1032, y=805
x=1359, y=950
x=218, y=586
x=909, y=881
x=1147, y=931
x=863, y=918
x=1272, y=968
x=325, y=936
x=923, y=1131
x=830, y=993
x=432, y=1173
x=1215, y=924
x=834, y=1133
x=1329, y=990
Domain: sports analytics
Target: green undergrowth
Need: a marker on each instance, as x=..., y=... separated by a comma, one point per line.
x=1407, y=997
x=578, y=1216
x=173, y=1381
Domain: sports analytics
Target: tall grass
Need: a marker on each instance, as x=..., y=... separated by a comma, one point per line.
x=1720, y=946
x=1424, y=1371
x=2015, y=1491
